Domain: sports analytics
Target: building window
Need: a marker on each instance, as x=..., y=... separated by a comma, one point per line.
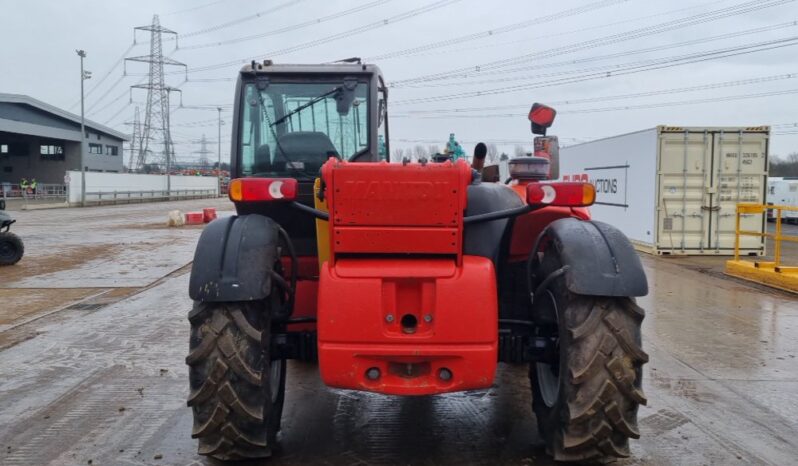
x=95, y=148
x=13, y=148
x=51, y=152
x=111, y=150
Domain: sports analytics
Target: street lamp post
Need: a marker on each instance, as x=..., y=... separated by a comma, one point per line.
x=219, y=144
x=84, y=75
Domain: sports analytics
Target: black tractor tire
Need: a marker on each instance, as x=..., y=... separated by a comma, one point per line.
x=586, y=403
x=11, y=248
x=237, y=392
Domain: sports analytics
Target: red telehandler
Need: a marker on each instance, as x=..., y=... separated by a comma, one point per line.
x=403, y=278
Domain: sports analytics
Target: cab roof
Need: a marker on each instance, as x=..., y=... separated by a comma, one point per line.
x=268, y=67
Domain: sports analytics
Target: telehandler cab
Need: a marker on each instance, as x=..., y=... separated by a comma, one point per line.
x=403, y=278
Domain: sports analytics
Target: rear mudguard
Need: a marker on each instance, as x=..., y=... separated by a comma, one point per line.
x=601, y=261
x=234, y=259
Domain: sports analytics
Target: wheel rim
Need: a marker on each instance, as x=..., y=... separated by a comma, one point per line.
x=7, y=250
x=548, y=375
x=275, y=374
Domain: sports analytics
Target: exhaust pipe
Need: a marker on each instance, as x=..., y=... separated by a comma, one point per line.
x=478, y=162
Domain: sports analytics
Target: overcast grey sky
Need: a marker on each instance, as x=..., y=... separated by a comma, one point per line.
x=711, y=72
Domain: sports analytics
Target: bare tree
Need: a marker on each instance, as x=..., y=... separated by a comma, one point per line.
x=493, y=153
x=784, y=166
x=433, y=149
x=419, y=151
x=398, y=154
x=520, y=151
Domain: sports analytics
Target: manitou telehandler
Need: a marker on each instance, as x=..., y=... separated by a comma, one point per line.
x=403, y=278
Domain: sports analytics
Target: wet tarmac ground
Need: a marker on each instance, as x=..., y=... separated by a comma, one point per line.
x=93, y=334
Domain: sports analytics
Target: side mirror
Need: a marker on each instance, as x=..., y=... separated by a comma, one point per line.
x=345, y=96
x=542, y=117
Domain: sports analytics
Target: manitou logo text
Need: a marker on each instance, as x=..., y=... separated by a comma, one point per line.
x=393, y=190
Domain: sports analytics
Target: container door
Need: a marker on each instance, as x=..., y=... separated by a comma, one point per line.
x=739, y=175
x=684, y=172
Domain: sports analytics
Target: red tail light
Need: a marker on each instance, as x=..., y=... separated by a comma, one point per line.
x=561, y=194
x=262, y=189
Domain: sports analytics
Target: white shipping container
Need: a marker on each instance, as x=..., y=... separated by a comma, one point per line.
x=674, y=190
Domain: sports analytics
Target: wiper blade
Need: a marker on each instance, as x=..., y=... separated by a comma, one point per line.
x=311, y=103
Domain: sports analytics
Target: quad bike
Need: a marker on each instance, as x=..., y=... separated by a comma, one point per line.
x=11, y=247
x=403, y=278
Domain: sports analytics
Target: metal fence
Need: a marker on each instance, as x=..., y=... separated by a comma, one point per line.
x=42, y=191
x=768, y=272
x=127, y=197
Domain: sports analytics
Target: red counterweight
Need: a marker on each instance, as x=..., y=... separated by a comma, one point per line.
x=400, y=309
x=408, y=326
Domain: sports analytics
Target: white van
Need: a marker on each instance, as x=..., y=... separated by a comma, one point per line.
x=783, y=191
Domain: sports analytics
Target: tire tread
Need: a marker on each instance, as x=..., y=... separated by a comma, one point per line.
x=229, y=391
x=598, y=410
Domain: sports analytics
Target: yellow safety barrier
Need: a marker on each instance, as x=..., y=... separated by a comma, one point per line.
x=771, y=273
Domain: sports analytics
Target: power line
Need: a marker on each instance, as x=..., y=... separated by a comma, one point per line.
x=540, y=66
x=105, y=76
x=111, y=102
x=341, y=35
x=550, y=35
x=237, y=21
x=116, y=114
x=105, y=94
x=619, y=71
x=500, y=30
x=291, y=28
x=686, y=102
x=742, y=8
x=194, y=8
x=702, y=87
x=196, y=124
x=631, y=107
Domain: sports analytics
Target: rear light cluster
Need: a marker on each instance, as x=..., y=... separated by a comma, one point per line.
x=262, y=189
x=569, y=194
